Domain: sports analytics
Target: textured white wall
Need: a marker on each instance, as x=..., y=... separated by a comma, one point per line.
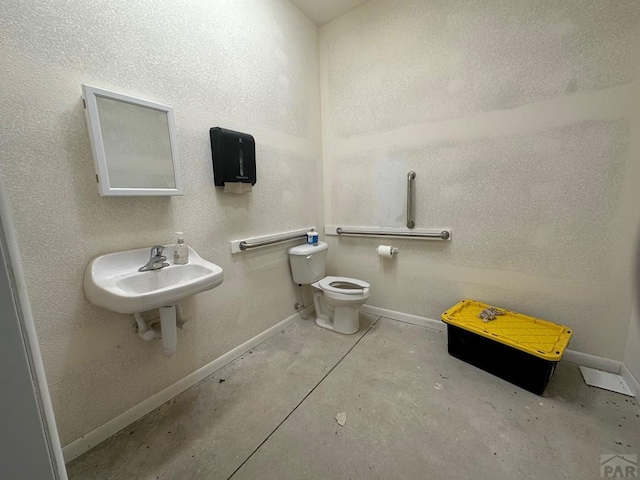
x=522, y=121
x=248, y=65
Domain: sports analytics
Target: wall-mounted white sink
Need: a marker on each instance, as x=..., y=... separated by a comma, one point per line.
x=113, y=281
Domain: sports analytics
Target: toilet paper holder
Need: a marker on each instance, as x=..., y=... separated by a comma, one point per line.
x=386, y=251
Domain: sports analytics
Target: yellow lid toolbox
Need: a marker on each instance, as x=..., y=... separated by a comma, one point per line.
x=515, y=347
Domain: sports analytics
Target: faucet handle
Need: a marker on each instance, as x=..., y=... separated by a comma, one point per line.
x=157, y=250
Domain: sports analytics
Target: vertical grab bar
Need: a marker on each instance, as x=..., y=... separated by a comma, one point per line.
x=410, y=177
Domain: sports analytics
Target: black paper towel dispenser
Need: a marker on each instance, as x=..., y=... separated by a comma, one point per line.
x=234, y=156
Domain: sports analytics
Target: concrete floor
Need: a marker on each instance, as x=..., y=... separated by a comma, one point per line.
x=413, y=412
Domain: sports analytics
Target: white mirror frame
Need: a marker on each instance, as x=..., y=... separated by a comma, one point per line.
x=89, y=95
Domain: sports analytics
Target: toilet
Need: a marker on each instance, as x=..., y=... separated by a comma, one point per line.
x=337, y=299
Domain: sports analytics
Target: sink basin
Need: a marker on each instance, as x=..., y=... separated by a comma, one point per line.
x=113, y=281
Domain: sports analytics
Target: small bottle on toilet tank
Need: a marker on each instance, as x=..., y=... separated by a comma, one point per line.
x=312, y=237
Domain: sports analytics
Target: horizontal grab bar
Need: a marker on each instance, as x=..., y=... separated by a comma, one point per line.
x=443, y=235
x=246, y=246
x=242, y=245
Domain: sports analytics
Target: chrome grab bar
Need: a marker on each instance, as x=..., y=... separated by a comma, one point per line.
x=443, y=235
x=246, y=246
x=410, y=178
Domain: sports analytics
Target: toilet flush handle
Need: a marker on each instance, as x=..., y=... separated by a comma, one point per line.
x=309, y=256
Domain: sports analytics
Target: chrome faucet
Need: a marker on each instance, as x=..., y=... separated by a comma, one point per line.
x=157, y=260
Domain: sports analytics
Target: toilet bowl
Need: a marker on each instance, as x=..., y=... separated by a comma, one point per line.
x=337, y=300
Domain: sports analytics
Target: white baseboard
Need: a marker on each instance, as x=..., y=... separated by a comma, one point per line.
x=632, y=382
x=405, y=317
x=113, y=426
x=592, y=361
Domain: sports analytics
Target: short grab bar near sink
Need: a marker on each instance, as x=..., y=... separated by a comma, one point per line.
x=246, y=246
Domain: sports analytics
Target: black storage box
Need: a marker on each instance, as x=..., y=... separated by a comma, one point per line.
x=520, y=349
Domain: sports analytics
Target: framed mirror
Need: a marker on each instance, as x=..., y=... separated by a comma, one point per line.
x=133, y=144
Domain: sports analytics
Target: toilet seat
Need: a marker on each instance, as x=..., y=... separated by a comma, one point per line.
x=343, y=285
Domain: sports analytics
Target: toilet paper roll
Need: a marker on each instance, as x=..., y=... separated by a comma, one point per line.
x=386, y=251
x=237, y=187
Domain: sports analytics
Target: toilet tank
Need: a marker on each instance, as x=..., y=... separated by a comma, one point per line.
x=308, y=262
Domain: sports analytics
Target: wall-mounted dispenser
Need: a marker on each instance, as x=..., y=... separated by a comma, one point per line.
x=234, y=160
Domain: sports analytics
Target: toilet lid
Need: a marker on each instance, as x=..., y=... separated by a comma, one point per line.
x=344, y=285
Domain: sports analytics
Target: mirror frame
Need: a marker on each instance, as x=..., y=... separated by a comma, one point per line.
x=89, y=96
